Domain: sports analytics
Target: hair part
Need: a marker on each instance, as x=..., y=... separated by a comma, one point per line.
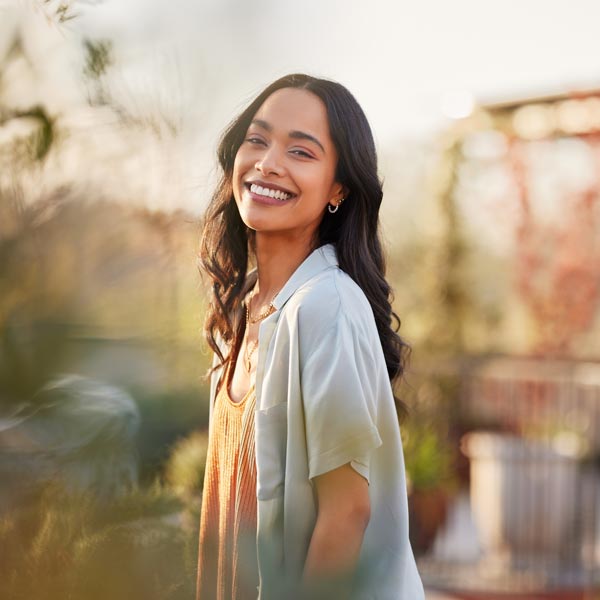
x=354, y=229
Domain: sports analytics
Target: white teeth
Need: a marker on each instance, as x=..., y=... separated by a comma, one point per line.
x=263, y=191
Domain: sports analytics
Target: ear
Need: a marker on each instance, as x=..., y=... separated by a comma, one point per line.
x=339, y=191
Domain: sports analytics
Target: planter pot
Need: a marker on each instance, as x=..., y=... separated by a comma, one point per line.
x=427, y=509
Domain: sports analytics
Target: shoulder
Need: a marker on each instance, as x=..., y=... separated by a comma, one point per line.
x=331, y=299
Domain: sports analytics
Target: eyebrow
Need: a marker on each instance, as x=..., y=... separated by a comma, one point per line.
x=297, y=135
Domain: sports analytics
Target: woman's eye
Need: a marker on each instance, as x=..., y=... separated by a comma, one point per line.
x=255, y=140
x=301, y=153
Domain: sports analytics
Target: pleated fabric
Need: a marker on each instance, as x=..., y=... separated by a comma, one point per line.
x=227, y=563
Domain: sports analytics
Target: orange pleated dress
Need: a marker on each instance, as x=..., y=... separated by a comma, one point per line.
x=227, y=562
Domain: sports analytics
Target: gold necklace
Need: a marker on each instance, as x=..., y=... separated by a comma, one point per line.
x=263, y=315
x=250, y=349
x=248, y=355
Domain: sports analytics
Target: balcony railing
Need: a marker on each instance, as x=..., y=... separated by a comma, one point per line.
x=527, y=526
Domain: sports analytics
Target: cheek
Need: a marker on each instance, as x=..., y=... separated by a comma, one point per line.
x=236, y=177
x=323, y=186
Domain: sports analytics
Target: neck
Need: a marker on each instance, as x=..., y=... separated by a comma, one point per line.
x=277, y=257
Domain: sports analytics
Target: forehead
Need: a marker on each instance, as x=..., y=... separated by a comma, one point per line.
x=291, y=109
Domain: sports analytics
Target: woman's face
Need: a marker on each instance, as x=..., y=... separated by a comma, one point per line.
x=284, y=171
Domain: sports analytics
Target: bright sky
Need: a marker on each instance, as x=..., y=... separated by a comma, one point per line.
x=397, y=57
x=200, y=61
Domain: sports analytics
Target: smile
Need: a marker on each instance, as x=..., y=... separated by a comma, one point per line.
x=269, y=193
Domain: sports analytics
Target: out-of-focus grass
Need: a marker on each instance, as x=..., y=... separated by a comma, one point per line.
x=184, y=470
x=65, y=545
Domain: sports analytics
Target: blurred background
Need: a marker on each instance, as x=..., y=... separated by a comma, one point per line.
x=487, y=121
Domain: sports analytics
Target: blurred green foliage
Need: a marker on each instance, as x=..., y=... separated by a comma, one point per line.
x=428, y=433
x=62, y=10
x=184, y=469
x=98, y=58
x=107, y=292
x=429, y=458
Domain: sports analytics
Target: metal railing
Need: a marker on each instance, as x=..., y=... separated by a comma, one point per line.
x=528, y=524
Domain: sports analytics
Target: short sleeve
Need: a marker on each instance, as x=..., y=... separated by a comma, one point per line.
x=339, y=391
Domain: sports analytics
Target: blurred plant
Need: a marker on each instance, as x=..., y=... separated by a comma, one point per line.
x=69, y=267
x=74, y=546
x=184, y=470
x=98, y=59
x=430, y=482
x=62, y=10
x=434, y=274
x=535, y=161
x=33, y=145
x=428, y=459
x=183, y=475
x=558, y=273
x=429, y=470
x=29, y=125
x=448, y=300
x=30, y=339
x=431, y=389
x=102, y=290
x=430, y=453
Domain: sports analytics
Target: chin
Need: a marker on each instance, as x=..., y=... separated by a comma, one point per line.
x=259, y=221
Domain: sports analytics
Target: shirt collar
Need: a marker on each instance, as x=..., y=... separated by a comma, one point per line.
x=317, y=261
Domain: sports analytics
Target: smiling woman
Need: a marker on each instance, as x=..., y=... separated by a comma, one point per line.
x=299, y=162
x=304, y=493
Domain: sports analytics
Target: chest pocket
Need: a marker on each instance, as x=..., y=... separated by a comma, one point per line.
x=271, y=444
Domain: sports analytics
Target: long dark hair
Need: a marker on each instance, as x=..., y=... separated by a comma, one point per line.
x=354, y=229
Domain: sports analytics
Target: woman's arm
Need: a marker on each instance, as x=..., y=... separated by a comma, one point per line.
x=343, y=511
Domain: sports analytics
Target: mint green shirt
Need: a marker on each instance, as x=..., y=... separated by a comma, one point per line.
x=324, y=399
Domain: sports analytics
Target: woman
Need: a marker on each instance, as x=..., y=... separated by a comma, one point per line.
x=304, y=492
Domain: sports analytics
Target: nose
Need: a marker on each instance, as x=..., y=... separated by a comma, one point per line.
x=269, y=163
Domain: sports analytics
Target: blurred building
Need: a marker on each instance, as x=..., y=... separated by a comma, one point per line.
x=519, y=207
